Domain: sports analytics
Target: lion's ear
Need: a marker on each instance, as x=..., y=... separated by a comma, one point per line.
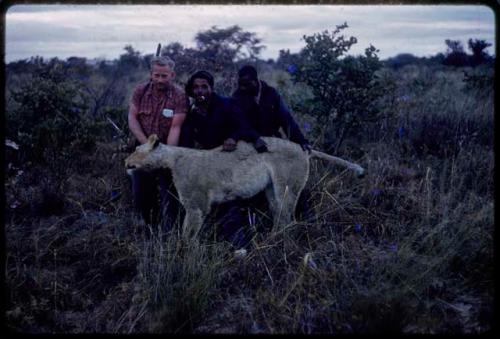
x=153, y=141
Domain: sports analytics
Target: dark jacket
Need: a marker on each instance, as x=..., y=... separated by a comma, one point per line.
x=222, y=121
x=268, y=116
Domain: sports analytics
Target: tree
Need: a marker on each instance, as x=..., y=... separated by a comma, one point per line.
x=78, y=67
x=131, y=59
x=344, y=87
x=219, y=50
x=226, y=45
x=173, y=50
x=288, y=61
x=455, y=54
x=403, y=59
x=107, y=88
x=477, y=47
x=187, y=60
x=49, y=120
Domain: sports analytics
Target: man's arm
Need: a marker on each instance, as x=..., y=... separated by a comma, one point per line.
x=180, y=110
x=134, y=125
x=242, y=129
x=175, y=129
x=287, y=122
x=186, y=138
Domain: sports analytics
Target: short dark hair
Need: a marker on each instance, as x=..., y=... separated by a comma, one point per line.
x=249, y=71
x=199, y=75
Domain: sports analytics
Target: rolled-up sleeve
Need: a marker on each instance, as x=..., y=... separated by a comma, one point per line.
x=180, y=103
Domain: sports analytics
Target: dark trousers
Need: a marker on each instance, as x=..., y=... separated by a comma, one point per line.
x=233, y=223
x=155, y=198
x=303, y=212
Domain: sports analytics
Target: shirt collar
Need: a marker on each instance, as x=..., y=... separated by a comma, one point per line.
x=257, y=98
x=167, y=92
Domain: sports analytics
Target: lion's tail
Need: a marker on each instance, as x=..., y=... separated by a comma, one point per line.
x=360, y=171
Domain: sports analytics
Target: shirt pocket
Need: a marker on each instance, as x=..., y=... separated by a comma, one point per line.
x=167, y=111
x=165, y=122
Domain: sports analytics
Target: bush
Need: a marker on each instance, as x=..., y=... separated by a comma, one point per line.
x=345, y=89
x=403, y=59
x=49, y=120
x=480, y=81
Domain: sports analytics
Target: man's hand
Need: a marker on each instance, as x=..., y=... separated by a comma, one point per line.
x=260, y=145
x=306, y=148
x=229, y=145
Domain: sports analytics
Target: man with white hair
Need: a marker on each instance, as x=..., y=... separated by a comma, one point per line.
x=157, y=107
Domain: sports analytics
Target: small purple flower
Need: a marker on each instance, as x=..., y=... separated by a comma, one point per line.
x=15, y=204
x=307, y=127
x=401, y=132
x=404, y=98
x=393, y=247
x=358, y=228
x=292, y=69
x=115, y=194
x=376, y=192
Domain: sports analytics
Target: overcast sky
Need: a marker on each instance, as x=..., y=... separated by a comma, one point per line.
x=103, y=30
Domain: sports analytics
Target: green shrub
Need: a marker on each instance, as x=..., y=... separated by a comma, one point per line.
x=50, y=121
x=345, y=88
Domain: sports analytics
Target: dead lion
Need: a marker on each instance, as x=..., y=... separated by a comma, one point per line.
x=206, y=177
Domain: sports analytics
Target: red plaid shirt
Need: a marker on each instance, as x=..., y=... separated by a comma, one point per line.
x=150, y=106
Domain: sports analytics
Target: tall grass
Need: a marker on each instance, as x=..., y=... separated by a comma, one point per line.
x=407, y=249
x=178, y=280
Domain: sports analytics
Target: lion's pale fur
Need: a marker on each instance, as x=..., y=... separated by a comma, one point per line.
x=206, y=177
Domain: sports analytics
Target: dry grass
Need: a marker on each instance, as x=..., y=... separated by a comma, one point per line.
x=407, y=249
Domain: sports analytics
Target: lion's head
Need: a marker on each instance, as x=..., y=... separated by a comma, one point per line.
x=144, y=155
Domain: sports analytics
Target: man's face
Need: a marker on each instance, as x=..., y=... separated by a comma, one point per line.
x=247, y=85
x=161, y=76
x=201, y=90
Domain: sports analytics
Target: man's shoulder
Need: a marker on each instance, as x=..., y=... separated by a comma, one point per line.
x=240, y=98
x=222, y=101
x=141, y=87
x=139, y=91
x=268, y=89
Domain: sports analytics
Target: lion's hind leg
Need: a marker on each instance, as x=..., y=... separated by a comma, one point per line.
x=284, y=193
x=192, y=222
x=282, y=200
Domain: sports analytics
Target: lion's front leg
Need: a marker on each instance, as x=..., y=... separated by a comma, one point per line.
x=192, y=222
